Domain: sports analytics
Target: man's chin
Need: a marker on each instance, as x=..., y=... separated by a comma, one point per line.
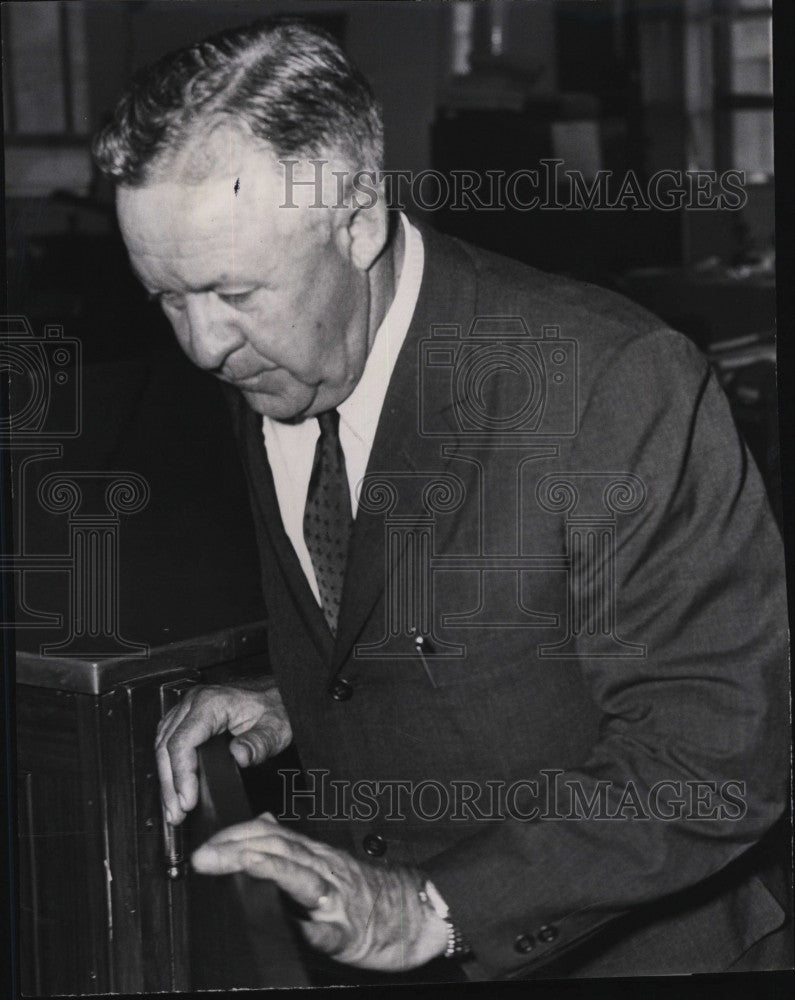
x=276, y=407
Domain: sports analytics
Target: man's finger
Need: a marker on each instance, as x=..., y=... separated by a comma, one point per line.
x=304, y=885
x=204, y=721
x=317, y=847
x=166, y=727
x=330, y=938
x=171, y=806
x=184, y=767
x=225, y=858
x=260, y=857
x=250, y=828
x=258, y=835
x=251, y=748
x=172, y=719
x=266, y=825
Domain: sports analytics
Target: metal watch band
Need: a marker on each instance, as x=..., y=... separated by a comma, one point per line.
x=457, y=946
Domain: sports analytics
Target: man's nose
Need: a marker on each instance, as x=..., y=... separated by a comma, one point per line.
x=211, y=337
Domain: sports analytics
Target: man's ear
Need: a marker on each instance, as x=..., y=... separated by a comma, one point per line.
x=366, y=233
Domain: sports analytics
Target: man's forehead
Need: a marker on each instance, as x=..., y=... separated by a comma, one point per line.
x=244, y=204
x=219, y=203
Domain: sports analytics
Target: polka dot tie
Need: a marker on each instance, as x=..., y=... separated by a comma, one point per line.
x=327, y=516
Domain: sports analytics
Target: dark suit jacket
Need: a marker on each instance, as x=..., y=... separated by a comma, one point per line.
x=642, y=640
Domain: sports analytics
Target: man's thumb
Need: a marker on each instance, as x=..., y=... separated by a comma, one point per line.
x=248, y=750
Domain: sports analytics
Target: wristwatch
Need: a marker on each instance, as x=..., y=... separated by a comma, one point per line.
x=457, y=946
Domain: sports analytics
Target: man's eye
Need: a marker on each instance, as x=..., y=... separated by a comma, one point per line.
x=171, y=300
x=235, y=298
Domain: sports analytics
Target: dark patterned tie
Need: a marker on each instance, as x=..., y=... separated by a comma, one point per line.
x=327, y=516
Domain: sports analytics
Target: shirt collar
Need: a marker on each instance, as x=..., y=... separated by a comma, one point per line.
x=361, y=410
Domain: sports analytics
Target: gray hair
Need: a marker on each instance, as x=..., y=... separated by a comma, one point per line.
x=290, y=83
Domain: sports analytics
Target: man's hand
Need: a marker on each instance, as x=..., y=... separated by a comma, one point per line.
x=359, y=914
x=254, y=714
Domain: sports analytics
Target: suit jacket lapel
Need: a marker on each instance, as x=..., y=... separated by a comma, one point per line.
x=447, y=296
x=255, y=461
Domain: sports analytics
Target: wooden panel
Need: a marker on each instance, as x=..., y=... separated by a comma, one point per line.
x=119, y=817
x=98, y=910
x=30, y=952
x=164, y=923
x=62, y=873
x=94, y=874
x=149, y=910
x=47, y=730
x=153, y=901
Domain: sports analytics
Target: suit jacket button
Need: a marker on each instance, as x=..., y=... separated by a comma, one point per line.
x=341, y=690
x=524, y=943
x=548, y=933
x=374, y=845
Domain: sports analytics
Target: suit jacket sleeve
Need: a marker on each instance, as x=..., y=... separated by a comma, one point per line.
x=699, y=582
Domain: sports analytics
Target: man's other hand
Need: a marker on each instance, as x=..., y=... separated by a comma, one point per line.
x=254, y=715
x=355, y=912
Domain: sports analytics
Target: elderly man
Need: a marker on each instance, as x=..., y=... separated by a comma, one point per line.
x=513, y=554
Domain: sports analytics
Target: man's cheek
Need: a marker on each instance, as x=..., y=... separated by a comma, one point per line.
x=181, y=330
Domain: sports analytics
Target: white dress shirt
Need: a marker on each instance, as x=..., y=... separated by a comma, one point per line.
x=291, y=447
